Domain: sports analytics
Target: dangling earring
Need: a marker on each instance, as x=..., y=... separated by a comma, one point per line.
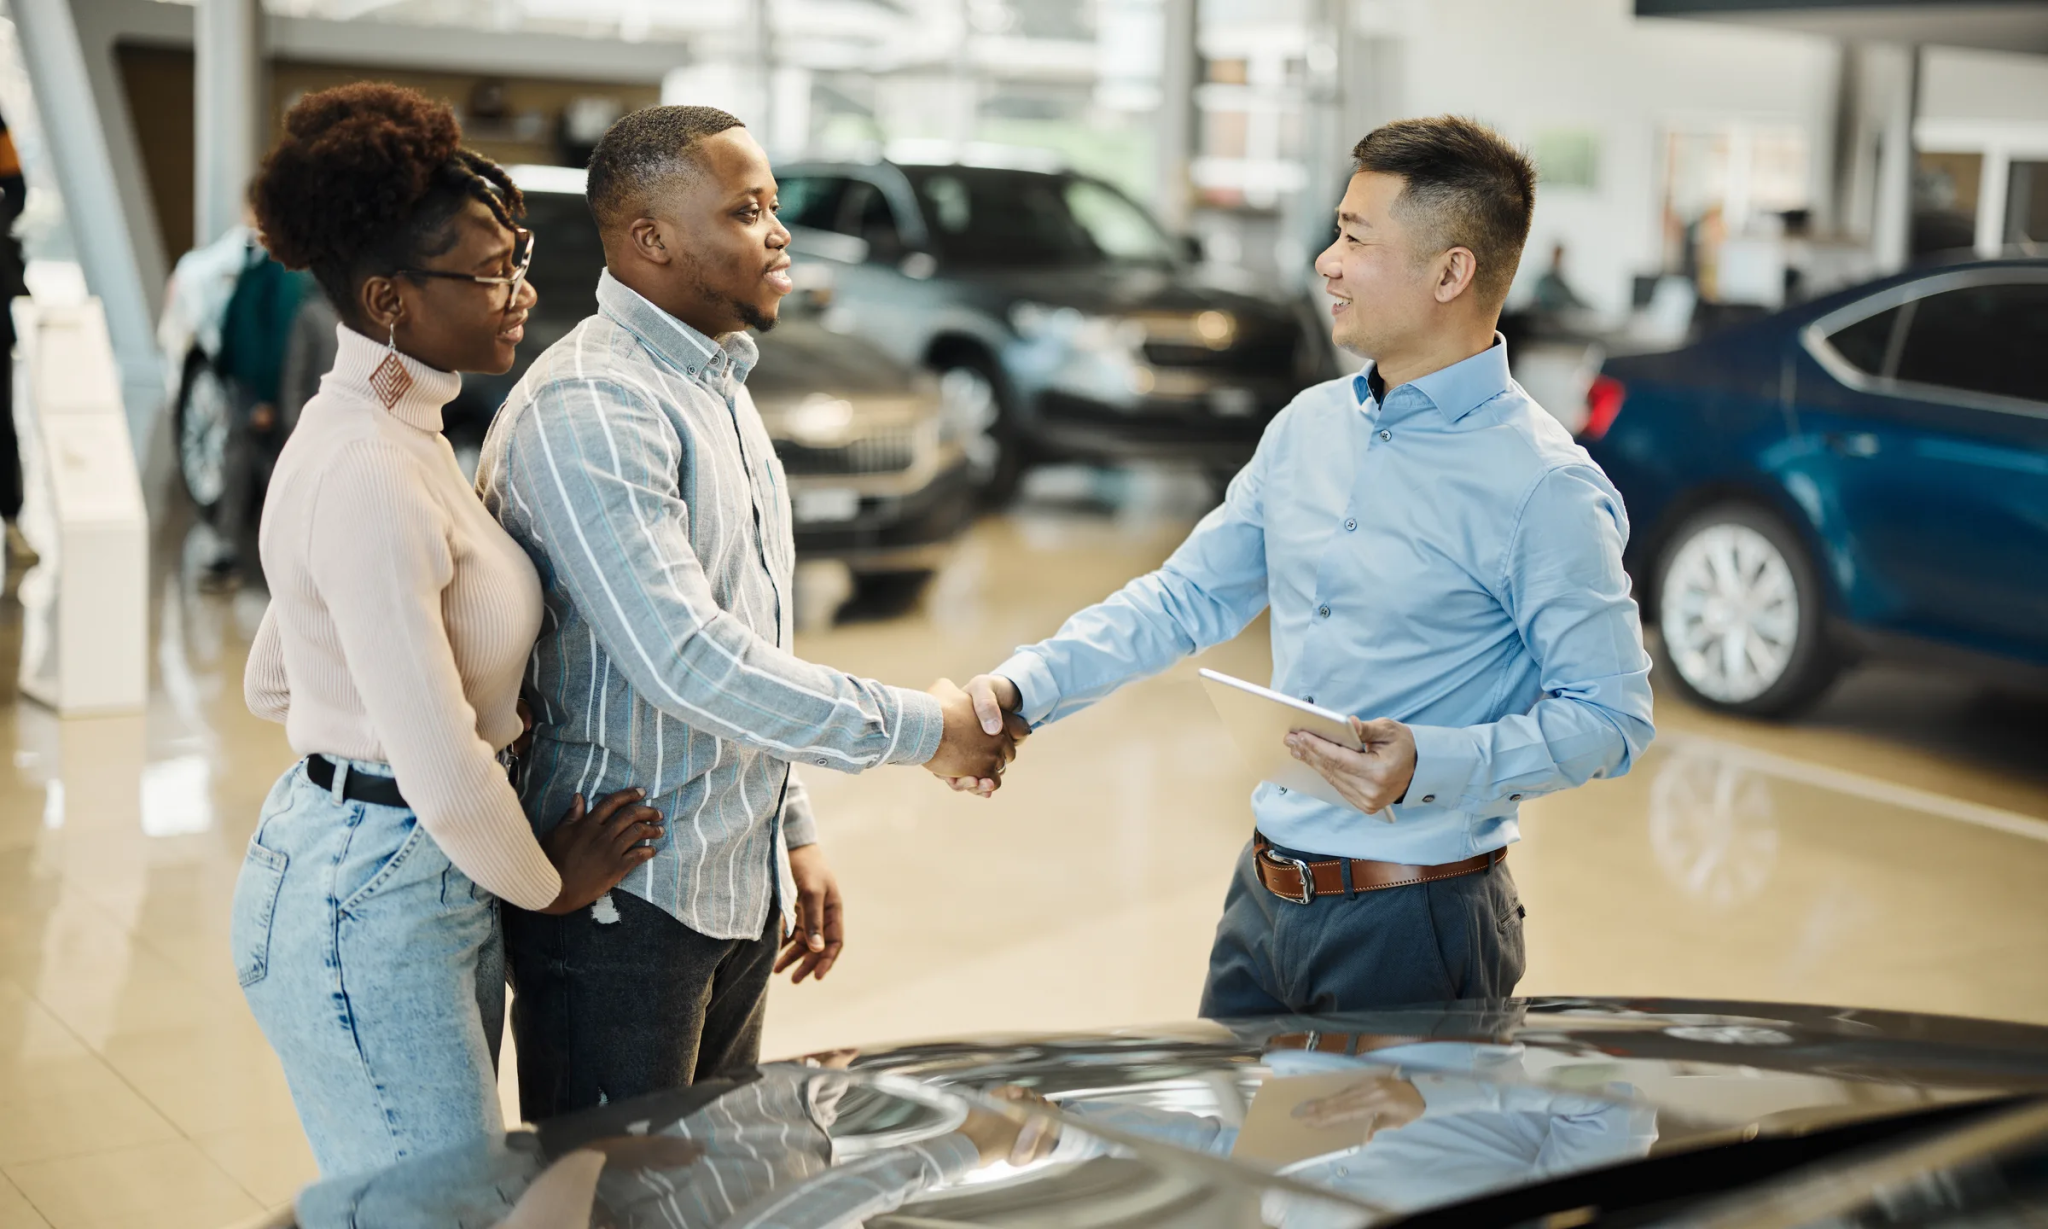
x=391, y=380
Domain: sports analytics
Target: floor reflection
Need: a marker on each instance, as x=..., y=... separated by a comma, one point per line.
x=1887, y=852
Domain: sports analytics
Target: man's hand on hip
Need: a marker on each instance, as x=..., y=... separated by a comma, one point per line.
x=973, y=749
x=1368, y=779
x=813, y=947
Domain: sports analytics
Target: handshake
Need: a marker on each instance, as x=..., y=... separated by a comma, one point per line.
x=981, y=735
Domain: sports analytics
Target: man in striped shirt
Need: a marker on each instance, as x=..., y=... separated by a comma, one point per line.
x=632, y=466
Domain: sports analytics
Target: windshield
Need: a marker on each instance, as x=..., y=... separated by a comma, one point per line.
x=979, y=216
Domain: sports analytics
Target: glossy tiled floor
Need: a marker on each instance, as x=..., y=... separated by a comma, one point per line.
x=1888, y=851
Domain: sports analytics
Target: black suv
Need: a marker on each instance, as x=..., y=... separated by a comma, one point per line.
x=1064, y=322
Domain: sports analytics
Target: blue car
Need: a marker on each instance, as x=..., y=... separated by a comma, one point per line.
x=1862, y=475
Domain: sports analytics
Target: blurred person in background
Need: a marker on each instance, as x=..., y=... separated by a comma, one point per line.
x=365, y=925
x=1554, y=295
x=632, y=465
x=1441, y=560
x=255, y=332
x=308, y=354
x=13, y=284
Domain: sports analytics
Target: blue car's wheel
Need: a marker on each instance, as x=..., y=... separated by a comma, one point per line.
x=1739, y=606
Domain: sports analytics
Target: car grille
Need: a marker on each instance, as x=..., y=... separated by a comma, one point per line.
x=886, y=453
x=1254, y=356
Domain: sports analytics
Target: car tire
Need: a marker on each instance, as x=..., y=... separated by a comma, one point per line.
x=1742, y=612
x=975, y=400
x=204, y=410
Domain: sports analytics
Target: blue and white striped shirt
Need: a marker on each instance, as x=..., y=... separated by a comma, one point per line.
x=631, y=465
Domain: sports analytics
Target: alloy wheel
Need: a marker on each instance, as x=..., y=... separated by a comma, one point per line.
x=203, y=437
x=972, y=412
x=1729, y=610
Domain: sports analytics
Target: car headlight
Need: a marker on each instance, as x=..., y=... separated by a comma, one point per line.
x=1102, y=334
x=820, y=421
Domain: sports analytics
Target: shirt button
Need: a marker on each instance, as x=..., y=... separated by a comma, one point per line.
x=1429, y=797
x=1386, y=435
x=1308, y=699
x=1350, y=525
x=1514, y=797
x=1322, y=612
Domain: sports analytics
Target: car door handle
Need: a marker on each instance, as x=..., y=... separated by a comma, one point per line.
x=1851, y=443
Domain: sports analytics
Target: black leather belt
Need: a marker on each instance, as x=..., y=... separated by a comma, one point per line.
x=358, y=786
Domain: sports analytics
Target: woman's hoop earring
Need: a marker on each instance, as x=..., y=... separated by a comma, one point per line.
x=391, y=380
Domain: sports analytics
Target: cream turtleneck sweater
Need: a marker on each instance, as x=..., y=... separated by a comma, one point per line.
x=401, y=616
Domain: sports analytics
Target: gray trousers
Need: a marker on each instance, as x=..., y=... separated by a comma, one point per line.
x=1425, y=943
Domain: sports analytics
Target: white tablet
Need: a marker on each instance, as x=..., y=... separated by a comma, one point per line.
x=1260, y=719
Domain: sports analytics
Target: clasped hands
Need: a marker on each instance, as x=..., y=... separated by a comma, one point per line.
x=983, y=728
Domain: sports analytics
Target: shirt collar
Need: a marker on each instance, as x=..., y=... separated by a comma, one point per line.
x=713, y=362
x=1455, y=391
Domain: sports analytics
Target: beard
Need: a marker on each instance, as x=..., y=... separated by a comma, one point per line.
x=748, y=314
x=753, y=317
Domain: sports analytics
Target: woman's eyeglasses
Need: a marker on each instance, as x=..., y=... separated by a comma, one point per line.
x=522, y=260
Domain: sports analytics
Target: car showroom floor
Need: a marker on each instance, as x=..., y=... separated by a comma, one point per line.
x=1887, y=851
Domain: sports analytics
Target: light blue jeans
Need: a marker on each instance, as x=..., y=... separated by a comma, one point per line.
x=377, y=970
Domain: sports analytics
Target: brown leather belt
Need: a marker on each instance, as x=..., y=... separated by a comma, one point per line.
x=1299, y=881
x=1335, y=1043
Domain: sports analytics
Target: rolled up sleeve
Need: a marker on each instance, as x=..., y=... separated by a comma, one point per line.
x=1563, y=585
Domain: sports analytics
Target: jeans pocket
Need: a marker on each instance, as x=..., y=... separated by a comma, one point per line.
x=255, y=911
x=385, y=873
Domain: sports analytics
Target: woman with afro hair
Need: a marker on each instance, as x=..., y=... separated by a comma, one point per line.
x=365, y=924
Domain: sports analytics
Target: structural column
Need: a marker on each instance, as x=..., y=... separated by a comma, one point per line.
x=1180, y=73
x=227, y=78
x=84, y=169
x=1892, y=227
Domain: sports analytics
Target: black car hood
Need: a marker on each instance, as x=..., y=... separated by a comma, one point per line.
x=1301, y=1122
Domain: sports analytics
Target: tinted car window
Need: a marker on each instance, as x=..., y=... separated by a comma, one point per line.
x=982, y=216
x=567, y=254
x=1983, y=339
x=865, y=213
x=1866, y=342
x=810, y=200
x=1119, y=229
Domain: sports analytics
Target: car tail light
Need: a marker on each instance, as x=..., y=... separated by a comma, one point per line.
x=1603, y=402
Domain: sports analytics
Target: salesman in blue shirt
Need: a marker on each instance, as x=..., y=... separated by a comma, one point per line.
x=1442, y=561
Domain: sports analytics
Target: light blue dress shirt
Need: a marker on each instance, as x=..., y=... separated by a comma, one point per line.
x=1449, y=559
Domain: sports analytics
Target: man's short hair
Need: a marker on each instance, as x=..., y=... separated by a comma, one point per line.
x=643, y=151
x=1465, y=187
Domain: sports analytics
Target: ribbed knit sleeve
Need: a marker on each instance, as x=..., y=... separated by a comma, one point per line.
x=378, y=552
x=264, y=686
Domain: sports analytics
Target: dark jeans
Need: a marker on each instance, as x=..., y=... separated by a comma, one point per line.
x=1425, y=943
x=603, y=1011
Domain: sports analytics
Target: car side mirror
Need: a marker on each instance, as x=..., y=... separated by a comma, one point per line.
x=1191, y=247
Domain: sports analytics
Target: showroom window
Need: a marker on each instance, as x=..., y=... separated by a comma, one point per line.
x=1981, y=339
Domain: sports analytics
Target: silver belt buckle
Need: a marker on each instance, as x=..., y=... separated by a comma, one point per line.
x=1308, y=879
